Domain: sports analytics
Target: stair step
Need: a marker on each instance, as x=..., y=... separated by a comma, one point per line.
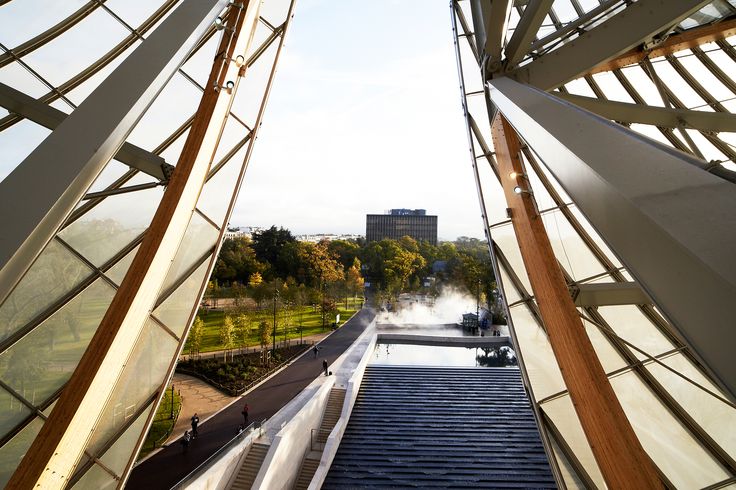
x=250, y=467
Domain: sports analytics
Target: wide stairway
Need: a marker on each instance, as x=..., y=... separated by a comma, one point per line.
x=250, y=467
x=420, y=427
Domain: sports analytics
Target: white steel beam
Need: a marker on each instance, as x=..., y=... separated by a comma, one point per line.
x=526, y=30
x=670, y=223
x=609, y=293
x=636, y=24
x=658, y=116
x=50, y=117
x=495, y=16
x=37, y=196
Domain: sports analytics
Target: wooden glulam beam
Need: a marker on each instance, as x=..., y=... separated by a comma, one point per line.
x=691, y=38
x=623, y=462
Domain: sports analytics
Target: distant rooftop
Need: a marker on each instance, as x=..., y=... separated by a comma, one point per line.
x=407, y=212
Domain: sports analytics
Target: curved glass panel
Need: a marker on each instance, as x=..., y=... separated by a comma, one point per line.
x=114, y=223
x=41, y=362
x=54, y=274
x=175, y=311
x=143, y=374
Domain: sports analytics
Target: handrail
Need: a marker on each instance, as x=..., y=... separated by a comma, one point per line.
x=207, y=463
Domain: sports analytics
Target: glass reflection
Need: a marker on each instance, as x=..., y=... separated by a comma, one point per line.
x=42, y=361
x=54, y=274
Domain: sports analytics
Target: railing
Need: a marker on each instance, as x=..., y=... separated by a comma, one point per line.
x=314, y=444
x=207, y=464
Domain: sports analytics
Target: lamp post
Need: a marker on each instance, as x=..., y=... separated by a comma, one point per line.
x=273, y=349
x=477, y=305
x=287, y=319
x=322, y=299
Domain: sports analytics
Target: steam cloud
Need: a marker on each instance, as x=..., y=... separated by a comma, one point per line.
x=447, y=308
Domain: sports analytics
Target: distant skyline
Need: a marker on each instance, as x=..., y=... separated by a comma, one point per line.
x=364, y=116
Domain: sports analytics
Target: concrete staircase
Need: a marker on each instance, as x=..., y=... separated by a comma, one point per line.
x=422, y=427
x=250, y=467
x=331, y=415
x=309, y=467
x=329, y=419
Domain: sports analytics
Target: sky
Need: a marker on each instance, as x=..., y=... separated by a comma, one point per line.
x=364, y=116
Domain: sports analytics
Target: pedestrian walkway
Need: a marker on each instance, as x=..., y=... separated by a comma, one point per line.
x=196, y=397
x=170, y=465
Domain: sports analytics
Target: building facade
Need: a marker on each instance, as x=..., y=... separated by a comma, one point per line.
x=402, y=222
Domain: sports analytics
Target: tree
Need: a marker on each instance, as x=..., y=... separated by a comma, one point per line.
x=238, y=293
x=237, y=260
x=227, y=338
x=242, y=326
x=195, y=336
x=263, y=339
x=353, y=278
x=255, y=280
x=268, y=244
x=345, y=251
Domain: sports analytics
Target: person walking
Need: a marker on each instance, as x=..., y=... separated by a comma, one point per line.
x=324, y=366
x=195, y=423
x=245, y=414
x=185, y=440
x=315, y=350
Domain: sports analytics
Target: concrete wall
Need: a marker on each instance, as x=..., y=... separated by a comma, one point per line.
x=282, y=464
x=219, y=474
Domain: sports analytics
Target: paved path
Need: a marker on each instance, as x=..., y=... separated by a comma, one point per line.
x=166, y=468
x=196, y=397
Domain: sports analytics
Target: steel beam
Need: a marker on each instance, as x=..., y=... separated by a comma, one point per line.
x=608, y=294
x=33, y=207
x=495, y=19
x=576, y=24
x=658, y=116
x=670, y=223
x=688, y=39
x=526, y=31
x=50, y=117
x=634, y=25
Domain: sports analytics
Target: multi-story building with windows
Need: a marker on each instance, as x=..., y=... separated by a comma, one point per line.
x=415, y=223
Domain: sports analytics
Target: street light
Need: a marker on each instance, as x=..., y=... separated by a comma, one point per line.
x=322, y=299
x=273, y=349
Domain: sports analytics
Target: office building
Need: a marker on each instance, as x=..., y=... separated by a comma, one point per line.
x=397, y=223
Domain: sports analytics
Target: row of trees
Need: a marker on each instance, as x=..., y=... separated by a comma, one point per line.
x=311, y=273
x=395, y=266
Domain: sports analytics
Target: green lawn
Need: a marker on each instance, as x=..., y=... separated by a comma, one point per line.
x=162, y=423
x=310, y=319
